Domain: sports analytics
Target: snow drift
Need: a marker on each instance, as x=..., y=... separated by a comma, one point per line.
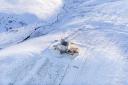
x=101, y=38
x=41, y=8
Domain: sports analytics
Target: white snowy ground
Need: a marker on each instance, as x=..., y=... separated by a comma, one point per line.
x=98, y=27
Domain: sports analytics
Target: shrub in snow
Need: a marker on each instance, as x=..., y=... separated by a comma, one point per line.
x=65, y=47
x=73, y=50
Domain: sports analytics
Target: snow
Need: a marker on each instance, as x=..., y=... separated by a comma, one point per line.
x=98, y=28
x=36, y=7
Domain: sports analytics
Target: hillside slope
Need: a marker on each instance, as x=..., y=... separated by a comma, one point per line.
x=98, y=28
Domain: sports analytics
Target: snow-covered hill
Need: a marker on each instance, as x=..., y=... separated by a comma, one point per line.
x=30, y=28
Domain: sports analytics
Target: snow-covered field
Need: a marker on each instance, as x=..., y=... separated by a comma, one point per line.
x=30, y=28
